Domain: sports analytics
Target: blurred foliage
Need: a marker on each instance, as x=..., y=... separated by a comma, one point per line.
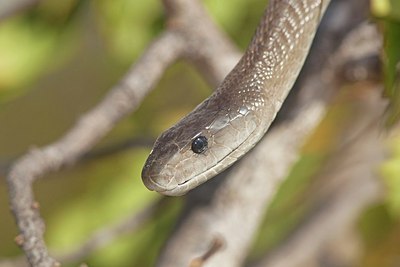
x=44, y=38
x=380, y=225
x=389, y=9
x=239, y=19
x=281, y=218
x=390, y=171
x=20, y=63
x=118, y=23
x=285, y=213
x=117, y=196
x=375, y=224
x=59, y=58
x=380, y=237
x=388, y=14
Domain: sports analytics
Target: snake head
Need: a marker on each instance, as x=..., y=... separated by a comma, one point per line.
x=198, y=147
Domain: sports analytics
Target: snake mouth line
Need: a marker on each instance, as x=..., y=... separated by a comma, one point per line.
x=185, y=182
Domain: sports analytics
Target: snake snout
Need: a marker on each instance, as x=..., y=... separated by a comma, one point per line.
x=152, y=185
x=156, y=180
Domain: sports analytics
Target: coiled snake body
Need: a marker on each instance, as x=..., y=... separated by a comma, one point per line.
x=234, y=118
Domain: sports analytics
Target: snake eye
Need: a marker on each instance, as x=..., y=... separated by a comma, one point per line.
x=199, y=144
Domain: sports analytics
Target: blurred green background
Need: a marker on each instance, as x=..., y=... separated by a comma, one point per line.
x=58, y=59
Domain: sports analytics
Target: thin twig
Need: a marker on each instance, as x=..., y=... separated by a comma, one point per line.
x=217, y=244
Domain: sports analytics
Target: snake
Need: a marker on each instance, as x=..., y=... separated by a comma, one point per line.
x=231, y=121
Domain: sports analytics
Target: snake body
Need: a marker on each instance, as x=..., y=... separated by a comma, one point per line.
x=236, y=116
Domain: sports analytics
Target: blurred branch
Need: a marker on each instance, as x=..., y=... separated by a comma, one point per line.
x=9, y=8
x=251, y=184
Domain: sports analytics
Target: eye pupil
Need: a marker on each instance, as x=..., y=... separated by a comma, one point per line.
x=199, y=144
